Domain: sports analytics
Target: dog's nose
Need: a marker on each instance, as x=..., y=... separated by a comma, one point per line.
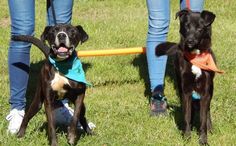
x=190, y=41
x=61, y=36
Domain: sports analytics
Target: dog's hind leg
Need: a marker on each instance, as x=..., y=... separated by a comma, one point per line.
x=83, y=120
x=72, y=129
x=33, y=109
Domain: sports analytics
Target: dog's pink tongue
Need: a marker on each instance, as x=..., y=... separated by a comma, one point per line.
x=62, y=49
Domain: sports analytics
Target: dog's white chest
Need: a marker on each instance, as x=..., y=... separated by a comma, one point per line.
x=58, y=83
x=196, y=71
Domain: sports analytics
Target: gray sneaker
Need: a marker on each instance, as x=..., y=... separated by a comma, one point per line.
x=158, y=105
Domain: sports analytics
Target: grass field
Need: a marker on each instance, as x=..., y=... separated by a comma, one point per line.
x=117, y=103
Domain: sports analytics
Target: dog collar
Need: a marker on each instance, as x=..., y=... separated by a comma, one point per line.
x=203, y=60
x=71, y=68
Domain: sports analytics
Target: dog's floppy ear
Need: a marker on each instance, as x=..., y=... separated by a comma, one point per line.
x=208, y=16
x=181, y=13
x=83, y=35
x=44, y=35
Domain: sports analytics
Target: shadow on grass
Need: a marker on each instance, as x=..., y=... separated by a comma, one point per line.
x=141, y=62
x=62, y=129
x=178, y=116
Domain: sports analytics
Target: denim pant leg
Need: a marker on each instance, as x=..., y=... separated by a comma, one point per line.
x=22, y=14
x=63, y=11
x=158, y=25
x=194, y=5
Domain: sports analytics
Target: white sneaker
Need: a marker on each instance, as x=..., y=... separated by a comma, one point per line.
x=91, y=125
x=63, y=116
x=15, y=118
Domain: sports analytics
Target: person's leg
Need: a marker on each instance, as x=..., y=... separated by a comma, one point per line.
x=63, y=11
x=22, y=23
x=194, y=5
x=158, y=25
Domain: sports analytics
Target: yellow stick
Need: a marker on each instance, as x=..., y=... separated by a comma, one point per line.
x=109, y=52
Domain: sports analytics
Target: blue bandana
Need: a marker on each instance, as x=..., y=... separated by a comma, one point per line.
x=71, y=68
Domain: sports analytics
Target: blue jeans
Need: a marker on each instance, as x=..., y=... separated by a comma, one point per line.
x=22, y=14
x=158, y=25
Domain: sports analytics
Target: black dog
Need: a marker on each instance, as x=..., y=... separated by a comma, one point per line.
x=53, y=85
x=192, y=80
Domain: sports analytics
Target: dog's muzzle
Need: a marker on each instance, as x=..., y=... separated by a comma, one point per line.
x=62, y=47
x=62, y=38
x=62, y=51
x=190, y=43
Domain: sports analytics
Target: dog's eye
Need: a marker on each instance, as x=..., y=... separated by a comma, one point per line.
x=53, y=31
x=56, y=29
x=72, y=31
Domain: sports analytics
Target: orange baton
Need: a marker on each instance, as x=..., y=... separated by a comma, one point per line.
x=109, y=52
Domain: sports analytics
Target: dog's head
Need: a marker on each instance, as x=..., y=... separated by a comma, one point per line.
x=195, y=29
x=63, y=39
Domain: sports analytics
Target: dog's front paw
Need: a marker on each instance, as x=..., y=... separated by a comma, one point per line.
x=71, y=136
x=187, y=135
x=20, y=133
x=71, y=139
x=203, y=139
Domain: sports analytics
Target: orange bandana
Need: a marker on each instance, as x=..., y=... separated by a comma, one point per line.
x=204, y=61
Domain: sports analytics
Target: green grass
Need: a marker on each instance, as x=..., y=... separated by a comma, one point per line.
x=117, y=103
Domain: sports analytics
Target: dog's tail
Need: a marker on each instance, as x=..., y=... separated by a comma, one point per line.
x=31, y=39
x=167, y=48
